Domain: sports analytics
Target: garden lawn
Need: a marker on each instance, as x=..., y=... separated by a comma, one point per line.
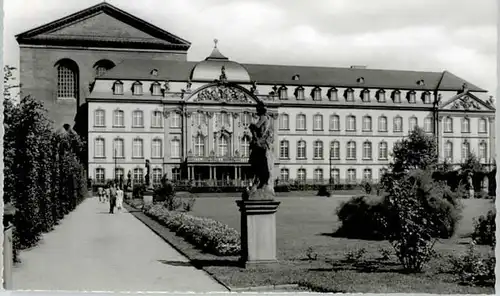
x=304, y=223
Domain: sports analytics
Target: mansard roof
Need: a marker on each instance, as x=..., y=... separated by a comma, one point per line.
x=103, y=25
x=308, y=76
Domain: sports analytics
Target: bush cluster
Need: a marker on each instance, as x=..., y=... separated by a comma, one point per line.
x=44, y=173
x=472, y=269
x=484, y=229
x=209, y=235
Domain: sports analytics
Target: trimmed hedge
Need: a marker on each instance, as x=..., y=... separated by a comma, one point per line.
x=484, y=229
x=207, y=234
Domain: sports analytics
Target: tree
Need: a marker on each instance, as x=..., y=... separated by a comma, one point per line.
x=418, y=151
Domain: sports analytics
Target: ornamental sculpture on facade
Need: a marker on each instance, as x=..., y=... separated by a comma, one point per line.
x=466, y=103
x=223, y=93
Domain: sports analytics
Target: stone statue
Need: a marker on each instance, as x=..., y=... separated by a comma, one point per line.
x=261, y=157
x=120, y=182
x=470, y=185
x=129, y=180
x=146, y=178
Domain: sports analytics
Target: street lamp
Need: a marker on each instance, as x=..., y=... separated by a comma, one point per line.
x=330, y=161
x=115, y=165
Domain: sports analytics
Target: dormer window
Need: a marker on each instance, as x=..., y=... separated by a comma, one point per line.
x=420, y=82
x=118, y=88
x=154, y=72
x=426, y=97
x=137, y=88
x=381, y=96
x=411, y=97
x=296, y=77
x=316, y=94
x=360, y=80
x=299, y=93
x=156, y=89
x=349, y=95
x=283, y=93
x=365, y=95
x=396, y=96
x=333, y=94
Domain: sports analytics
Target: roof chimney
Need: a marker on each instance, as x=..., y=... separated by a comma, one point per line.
x=358, y=67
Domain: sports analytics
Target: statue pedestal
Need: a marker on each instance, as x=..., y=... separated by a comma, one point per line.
x=258, y=231
x=148, y=197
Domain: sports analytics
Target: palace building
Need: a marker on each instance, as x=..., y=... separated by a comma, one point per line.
x=130, y=90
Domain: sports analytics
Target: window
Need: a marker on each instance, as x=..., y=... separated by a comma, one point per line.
x=334, y=123
x=316, y=94
x=382, y=124
x=137, y=148
x=413, y=123
x=448, y=125
x=448, y=151
x=284, y=122
x=99, y=151
x=175, y=147
x=428, y=125
x=245, y=146
x=102, y=66
x=199, y=146
x=119, y=174
x=284, y=175
x=223, y=119
x=482, y=151
x=483, y=125
x=351, y=123
x=398, y=124
x=118, y=118
x=199, y=118
x=301, y=175
x=318, y=122
x=137, y=88
x=157, y=175
x=318, y=149
x=157, y=119
x=367, y=123
x=99, y=118
x=301, y=149
x=156, y=148
x=367, y=150
x=138, y=176
x=349, y=95
x=119, y=148
x=176, y=174
x=223, y=146
x=351, y=150
x=301, y=122
x=156, y=89
x=299, y=93
x=382, y=150
x=411, y=97
x=175, y=120
x=465, y=150
x=137, y=119
x=426, y=97
x=466, y=125
x=67, y=79
x=283, y=93
x=118, y=88
x=381, y=96
x=284, y=149
x=367, y=175
x=365, y=95
x=396, y=96
x=351, y=176
x=100, y=176
x=333, y=94
x=246, y=119
x=318, y=175
x=335, y=175
x=335, y=150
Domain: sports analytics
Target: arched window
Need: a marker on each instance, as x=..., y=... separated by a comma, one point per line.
x=137, y=88
x=396, y=96
x=335, y=175
x=318, y=175
x=334, y=123
x=381, y=96
x=299, y=93
x=175, y=120
x=156, y=88
x=316, y=94
x=382, y=150
x=99, y=148
x=284, y=149
x=367, y=174
x=318, y=122
x=426, y=97
x=483, y=125
x=137, y=118
x=466, y=125
x=367, y=123
x=199, y=146
x=99, y=118
x=223, y=146
x=448, y=151
x=301, y=149
x=137, y=148
x=301, y=175
x=448, y=125
x=100, y=176
x=284, y=175
x=335, y=150
x=157, y=175
x=283, y=94
x=333, y=94
x=301, y=122
x=245, y=146
x=175, y=148
x=367, y=150
x=156, y=148
x=102, y=66
x=428, y=125
x=118, y=118
x=318, y=149
x=284, y=122
x=365, y=95
x=118, y=88
x=138, y=175
x=351, y=176
x=465, y=150
x=382, y=124
x=483, y=151
x=349, y=95
x=413, y=123
x=199, y=118
x=351, y=123
x=119, y=148
x=411, y=96
x=351, y=150
x=67, y=79
x=157, y=119
x=398, y=124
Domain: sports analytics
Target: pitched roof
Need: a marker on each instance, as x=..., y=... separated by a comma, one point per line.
x=312, y=76
x=60, y=32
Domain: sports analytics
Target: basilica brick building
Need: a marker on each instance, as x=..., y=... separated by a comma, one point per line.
x=131, y=92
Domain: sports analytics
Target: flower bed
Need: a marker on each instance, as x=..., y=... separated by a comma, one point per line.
x=209, y=235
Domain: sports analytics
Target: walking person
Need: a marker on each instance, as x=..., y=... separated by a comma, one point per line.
x=106, y=193
x=112, y=198
x=119, y=198
x=100, y=193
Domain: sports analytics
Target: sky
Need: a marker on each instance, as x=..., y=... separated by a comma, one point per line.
x=430, y=35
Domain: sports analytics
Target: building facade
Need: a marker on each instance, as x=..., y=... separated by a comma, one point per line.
x=190, y=119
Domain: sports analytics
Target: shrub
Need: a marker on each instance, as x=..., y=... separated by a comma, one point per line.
x=311, y=255
x=323, y=191
x=209, y=235
x=189, y=204
x=385, y=254
x=355, y=255
x=471, y=269
x=138, y=191
x=484, y=229
x=368, y=188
